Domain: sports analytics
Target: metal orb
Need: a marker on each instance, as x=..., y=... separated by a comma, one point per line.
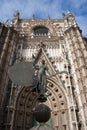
x=42, y=113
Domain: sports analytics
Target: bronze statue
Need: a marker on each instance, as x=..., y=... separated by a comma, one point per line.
x=41, y=76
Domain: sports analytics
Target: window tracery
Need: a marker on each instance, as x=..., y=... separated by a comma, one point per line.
x=40, y=30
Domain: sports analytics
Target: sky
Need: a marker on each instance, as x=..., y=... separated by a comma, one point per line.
x=45, y=8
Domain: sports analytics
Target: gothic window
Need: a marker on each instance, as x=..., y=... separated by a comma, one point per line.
x=40, y=30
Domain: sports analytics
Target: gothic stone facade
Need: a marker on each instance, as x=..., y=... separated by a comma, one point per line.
x=60, y=43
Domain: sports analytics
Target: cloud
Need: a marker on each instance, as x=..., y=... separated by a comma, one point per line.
x=43, y=8
x=78, y=4
x=30, y=7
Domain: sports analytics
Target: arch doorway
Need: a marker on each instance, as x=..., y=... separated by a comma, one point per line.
x=27, y=100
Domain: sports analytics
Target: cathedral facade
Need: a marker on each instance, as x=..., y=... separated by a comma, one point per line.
x=60, y=43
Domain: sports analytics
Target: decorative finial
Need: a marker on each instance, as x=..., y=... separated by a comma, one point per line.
x=16, y=14
x=33, y=17
x=49, y=17
x=63, y=14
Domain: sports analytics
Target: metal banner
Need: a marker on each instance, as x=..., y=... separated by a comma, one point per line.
x=22, y=73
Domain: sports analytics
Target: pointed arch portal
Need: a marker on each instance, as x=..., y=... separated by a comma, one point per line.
x=27, y=100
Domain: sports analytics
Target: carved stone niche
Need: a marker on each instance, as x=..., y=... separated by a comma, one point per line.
x=60, y=95
x=55, y=118
x=49, y=93
x=64, y=119
x=50, y=85
x=53, y=98
x=72, y=114
x=55, y=105
x=62, y=105
x=56, y=89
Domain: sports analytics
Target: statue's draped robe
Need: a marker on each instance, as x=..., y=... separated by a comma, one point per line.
x=41, y=74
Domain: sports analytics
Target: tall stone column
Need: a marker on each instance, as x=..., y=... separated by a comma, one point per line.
x=4, y=80
x=76, y=62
